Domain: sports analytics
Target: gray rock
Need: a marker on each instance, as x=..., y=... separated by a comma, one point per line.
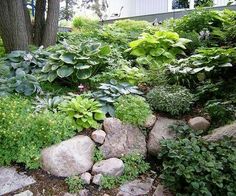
x=122, y=139
x=159, y=132
x=98, y=136
x=112, y=167
x=199, y=123
x=97, y=179
x=136, y=188
x=161, y=191
x=86, y=177
x=11, y=180
x=85, y=192
x=150, y=121
x=221, y=132
x=25, y=193
x=69, y=194
x=70, y=157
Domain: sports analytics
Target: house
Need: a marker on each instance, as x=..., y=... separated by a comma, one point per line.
x=132, y=8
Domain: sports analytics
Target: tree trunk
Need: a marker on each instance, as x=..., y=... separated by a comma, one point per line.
x=51, y=27
x=39, y=21
x=29, y=27
x=5, y=30
x=19, y=36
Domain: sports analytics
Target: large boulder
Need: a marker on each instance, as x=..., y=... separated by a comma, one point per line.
x=111, y=167
x=221, y=132
x=136, y=188
x=159, y=132
x=122, y=139
x=70, y=157
x=199, y=123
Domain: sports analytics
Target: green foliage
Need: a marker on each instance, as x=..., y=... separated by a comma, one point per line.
x=220, y=112
x=198, y=20
x=192, y=166
x=85, y=112
x=132, y=109
x=125, y=73
x=75, y=184
x=135, y=165
x=175, y=100
x=98, y=155
x=2, y=50
x=204, y=3
x=85, y=24
x=23, y=134
x=108, y=93
x=207, y=63
x=76, y=62
x=47, y=103
x=157, y=49
x=20, y=68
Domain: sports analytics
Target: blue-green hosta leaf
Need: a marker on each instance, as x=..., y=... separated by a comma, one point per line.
x=84, y=74
x=47, y=68
x=65, y=71
x=82, y=66
x=68, y=58
x=52, y=76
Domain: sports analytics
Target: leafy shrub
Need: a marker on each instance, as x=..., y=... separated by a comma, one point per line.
x=108, y=93
x=85, y=112
x=76, y=62
x=134, y=166
x=2, y=50
x=220, y=112
x=162, y=47
x=204, y=3
x=175, y=100
x=132, y=109
x=75, y=184
x=23, y=134
x=207, y=63
x=125, y=73
x=192, y=166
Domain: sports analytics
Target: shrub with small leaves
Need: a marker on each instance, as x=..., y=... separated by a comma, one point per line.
x=132, y=109
x=98, y=155
x=85, y=112
x=23, y=134
x=75, y=184
x=175, y=100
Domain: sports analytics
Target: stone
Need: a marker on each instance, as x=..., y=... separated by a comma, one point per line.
x=106, y=194
x=70, y=157
x=122, y=139
x=159, y=132
x=86, y=177
x=85, y=192
x=150, y=121
x=161, y=191
x=69, y=194
x=111, y=167
x=98, y=136
x=136, y=188
x=221, y=132
x=11, y=180
x=25, y=193
x=199, y=123
x=97, y=179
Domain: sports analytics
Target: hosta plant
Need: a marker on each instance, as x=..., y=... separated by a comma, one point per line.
x=207, y=63
x=76, y=62
x=85, y=112
x=158, y=48
x=47, y=103
x=175, y=100
x=108, y=93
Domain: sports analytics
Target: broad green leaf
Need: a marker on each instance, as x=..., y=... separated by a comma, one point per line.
x=65, y=71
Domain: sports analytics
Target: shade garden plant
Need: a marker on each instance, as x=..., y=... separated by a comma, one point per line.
x=128, y=70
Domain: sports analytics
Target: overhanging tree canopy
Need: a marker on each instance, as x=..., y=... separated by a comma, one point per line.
x=17, y=30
